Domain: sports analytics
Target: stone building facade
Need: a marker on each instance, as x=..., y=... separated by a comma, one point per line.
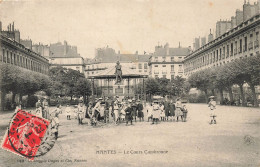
x=13, y=52
x=167, y=62
x=241, y=41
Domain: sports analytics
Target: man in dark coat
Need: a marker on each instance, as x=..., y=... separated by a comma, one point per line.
x=172, y=109
x=140, y=108
x=128, y=114
x=134, y=109
x=167, y=109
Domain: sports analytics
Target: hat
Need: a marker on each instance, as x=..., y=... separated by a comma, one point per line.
x=117, y=96
x=156, y=101
x=211, y=97
x=100, y=99
x=129, y=100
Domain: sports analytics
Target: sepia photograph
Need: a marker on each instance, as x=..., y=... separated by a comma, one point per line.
x=129, y=83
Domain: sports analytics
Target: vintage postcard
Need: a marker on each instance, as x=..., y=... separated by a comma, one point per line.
x=129, y=83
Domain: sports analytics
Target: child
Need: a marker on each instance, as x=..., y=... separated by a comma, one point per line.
x=81, y=109
x=156, y=112
x=212, y=106
x=149, y=112
x=67, y=111
x=55, y=125
x=185, y=112
x=162, y=113
x=122, y=113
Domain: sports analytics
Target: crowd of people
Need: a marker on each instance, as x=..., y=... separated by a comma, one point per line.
x=118, y=111
x=126, y=111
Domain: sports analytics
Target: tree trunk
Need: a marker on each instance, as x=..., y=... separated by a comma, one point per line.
x=221, y=96
x=2, y=100
x=242, y=95
x=252, y=87
x=206, y=95
x=21, y=100
x=212, y=92
x=84, y=99
x=13, y=97
x=230, y=94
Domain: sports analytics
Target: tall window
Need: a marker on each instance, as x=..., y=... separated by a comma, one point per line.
x=227, y=50
x=217, y=56
x=172, y=67
x=14, y=59
x=224, y=49
x=8, y=58
x=231, y=49
x=220, y=54
x=245, y=46
x=145, y=65
x=140, y=66
x=213, y=56
x=235, y=52
x=4, y=55
x=240, y=45
x=172, y=59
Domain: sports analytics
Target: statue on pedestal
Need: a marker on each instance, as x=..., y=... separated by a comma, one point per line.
x=118, y=72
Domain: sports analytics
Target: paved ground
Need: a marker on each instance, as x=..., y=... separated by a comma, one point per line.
x=234, y=141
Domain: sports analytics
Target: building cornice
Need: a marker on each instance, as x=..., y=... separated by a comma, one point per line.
x=180, y=62
x=17, y=46
x=241, y=28
x=67, y=65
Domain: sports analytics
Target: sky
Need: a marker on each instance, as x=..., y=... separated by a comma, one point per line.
x=125, y=25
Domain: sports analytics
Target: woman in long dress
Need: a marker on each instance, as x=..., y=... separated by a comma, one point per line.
x=171, y=110
x=156, y=112
x=178, y=112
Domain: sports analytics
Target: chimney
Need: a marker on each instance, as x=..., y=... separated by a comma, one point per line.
x=13, y=27
x=0, y=26
x=65, y=47
x=119, y=52
x=136, y=52
x=179, y=44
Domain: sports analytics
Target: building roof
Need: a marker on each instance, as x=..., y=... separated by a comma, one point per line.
x=126, y=73
x=172, y=52
x=63, y=50
x=124, y=58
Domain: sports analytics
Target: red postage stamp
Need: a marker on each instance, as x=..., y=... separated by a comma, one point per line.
x=25, y=134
